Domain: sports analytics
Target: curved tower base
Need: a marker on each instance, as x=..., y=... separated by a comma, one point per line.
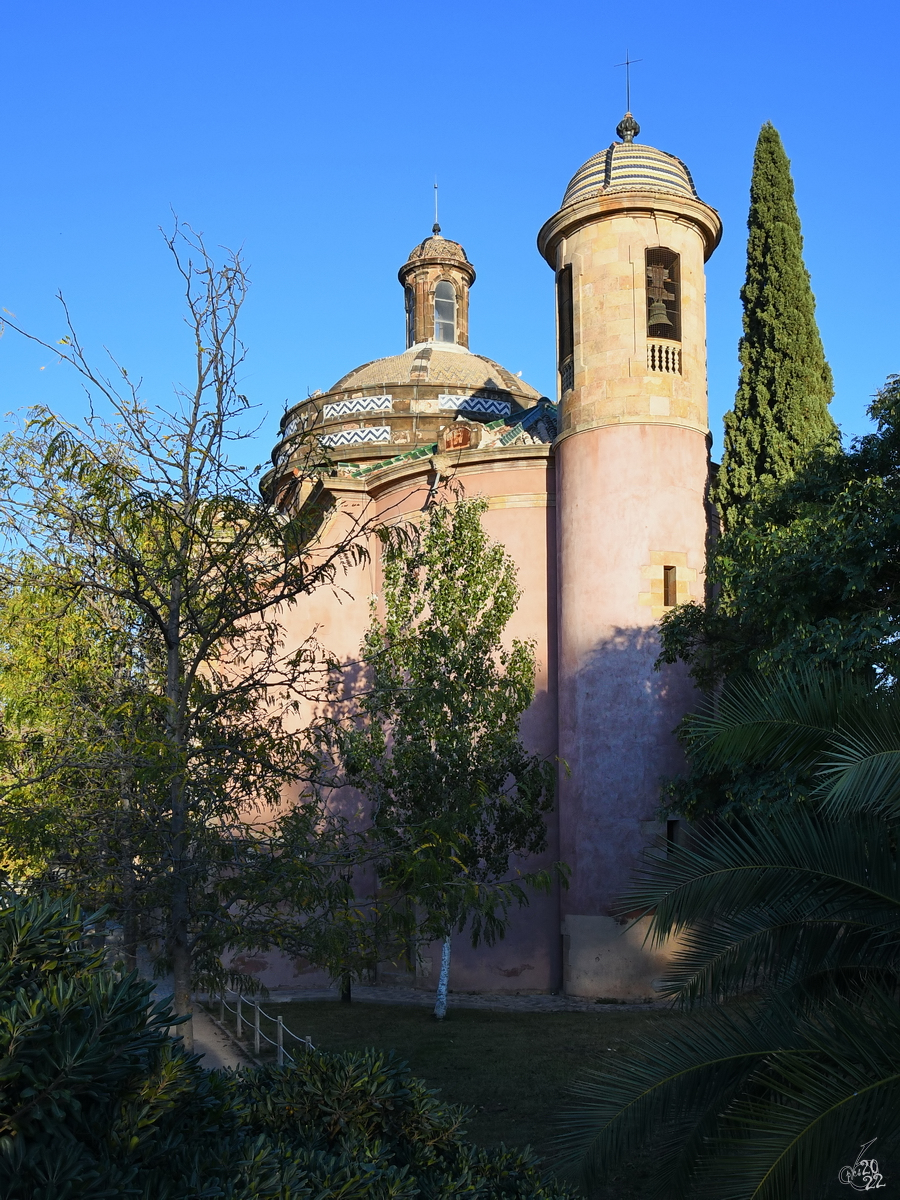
x=631, y=502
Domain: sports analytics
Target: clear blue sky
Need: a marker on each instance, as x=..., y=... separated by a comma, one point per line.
x=311, y=134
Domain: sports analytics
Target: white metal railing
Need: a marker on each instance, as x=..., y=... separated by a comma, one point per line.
x=258, y=1036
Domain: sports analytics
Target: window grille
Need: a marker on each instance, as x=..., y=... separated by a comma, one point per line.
x=663, y=293
x=564, y=305
x=445, y=312
x=566, y=329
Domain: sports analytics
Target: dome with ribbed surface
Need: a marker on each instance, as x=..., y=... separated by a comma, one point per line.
x=630, y=167
x=435, y=363
x=437, y=247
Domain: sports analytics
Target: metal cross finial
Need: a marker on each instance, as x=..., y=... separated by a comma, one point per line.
x=435, y=227
x=628, y=64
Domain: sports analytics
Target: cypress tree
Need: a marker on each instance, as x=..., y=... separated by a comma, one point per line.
x=780, y=413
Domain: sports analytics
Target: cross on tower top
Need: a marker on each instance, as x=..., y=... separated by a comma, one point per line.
x=628, y=64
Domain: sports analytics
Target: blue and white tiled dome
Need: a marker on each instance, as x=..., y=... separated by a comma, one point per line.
x=628, y=167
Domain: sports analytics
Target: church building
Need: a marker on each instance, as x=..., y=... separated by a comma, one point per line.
x=601, y=498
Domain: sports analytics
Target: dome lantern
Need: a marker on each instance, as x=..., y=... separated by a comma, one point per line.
x=436, y=279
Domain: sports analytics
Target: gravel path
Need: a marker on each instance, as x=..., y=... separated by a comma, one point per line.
x=217, y=1050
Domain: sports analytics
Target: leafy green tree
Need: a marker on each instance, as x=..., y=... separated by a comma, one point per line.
x=780, y=416
x=795, y=921
x=455, y=796
x=149, y=520
x=97, y=1100
x=76, y=705
x=810, y=578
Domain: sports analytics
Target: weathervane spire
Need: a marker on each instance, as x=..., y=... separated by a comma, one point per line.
x=435, y=227
x=628, y=128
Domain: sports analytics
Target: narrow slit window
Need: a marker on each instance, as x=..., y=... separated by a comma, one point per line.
x=445, y=312
x=663, y=294
x=670, y=587
x=673, y=835
x=566, y=324
x=410, y=317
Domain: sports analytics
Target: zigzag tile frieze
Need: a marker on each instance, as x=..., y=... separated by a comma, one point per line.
x=480, y=404
x=352, y=437
x=362, y=404
x=292, y=427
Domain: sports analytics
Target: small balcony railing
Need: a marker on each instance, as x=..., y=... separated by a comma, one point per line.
x=663, y=356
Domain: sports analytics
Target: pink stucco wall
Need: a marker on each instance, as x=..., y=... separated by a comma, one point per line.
x=624, y=491
x=521, y=496
x=520, y=490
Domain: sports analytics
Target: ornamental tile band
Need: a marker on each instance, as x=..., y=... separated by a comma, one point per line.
x=481, y=404
x=363, y=404
x=352, y=437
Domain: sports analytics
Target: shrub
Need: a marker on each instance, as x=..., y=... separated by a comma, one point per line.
x=98, y=1101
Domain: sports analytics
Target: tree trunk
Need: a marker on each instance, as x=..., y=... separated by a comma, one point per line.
x=129, y=935
x=129, y=914
x=346, y=988
x=440, y=1006
x=181, y=978
x=179, y=934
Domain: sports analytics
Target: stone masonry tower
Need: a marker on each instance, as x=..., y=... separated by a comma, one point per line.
x=628, y=247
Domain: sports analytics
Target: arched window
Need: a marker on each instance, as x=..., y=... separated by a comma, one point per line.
x=445, y=312
x=410, y=317
x=663, y=294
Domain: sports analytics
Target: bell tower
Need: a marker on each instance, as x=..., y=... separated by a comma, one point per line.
x=628, y=247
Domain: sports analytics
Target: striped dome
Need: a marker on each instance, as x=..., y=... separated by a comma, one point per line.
x=630, y=167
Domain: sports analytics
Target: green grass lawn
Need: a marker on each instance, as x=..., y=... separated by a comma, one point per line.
x=513, y=1069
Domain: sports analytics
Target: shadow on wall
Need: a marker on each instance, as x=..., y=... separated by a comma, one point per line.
x=617, y=721
x=618, y=714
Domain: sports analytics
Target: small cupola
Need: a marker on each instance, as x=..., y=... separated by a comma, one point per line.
x=436, y=279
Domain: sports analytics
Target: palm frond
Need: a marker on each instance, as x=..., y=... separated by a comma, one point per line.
x=789, y=718
x=811, y=1107
x=860, y=771
x=756, y=904
x=667, y=1095
x=811, y=958
x=751, y=1105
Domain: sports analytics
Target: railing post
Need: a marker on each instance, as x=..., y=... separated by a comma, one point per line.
x=279, y=1042
x=222, y=1006
x=256, y=1029
x=238, y=1022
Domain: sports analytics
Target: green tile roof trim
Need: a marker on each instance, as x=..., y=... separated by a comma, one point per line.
x=419, y=452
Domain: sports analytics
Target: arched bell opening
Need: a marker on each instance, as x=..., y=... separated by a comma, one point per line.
x=663, y=293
